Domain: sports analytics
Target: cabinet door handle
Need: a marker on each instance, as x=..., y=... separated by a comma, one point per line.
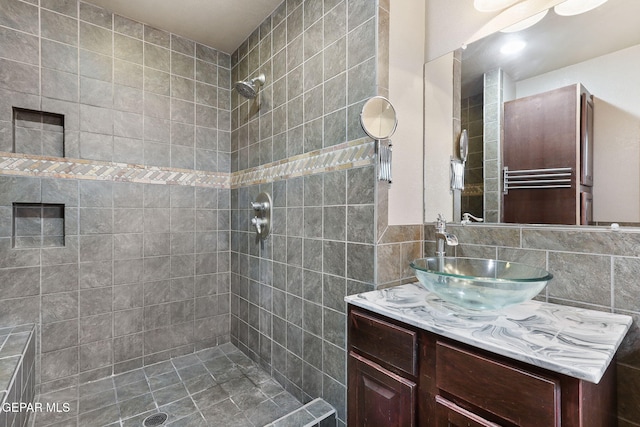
x=459, y=416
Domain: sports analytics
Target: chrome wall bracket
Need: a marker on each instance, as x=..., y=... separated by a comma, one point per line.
x=261, y=220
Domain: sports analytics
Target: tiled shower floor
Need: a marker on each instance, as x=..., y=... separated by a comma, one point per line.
x=214, y=387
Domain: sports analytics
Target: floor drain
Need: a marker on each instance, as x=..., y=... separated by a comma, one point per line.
x=155, y=420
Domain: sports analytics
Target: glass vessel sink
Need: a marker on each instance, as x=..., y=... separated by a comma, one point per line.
x=480, y=284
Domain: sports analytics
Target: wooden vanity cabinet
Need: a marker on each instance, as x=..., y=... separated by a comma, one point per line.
x=401, y=376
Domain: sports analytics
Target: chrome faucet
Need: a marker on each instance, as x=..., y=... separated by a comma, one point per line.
x=443, y=238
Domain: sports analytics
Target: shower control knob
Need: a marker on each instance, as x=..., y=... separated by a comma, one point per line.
x=260, y=206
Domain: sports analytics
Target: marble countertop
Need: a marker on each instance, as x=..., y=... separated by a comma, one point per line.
x=573, y=341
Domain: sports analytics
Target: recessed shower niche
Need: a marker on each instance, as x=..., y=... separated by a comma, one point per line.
x=37, y=132
x=38, y=225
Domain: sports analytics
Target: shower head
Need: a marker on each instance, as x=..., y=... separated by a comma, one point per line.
x=249, y=88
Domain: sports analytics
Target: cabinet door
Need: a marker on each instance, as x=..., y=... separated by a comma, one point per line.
x=378, y=397
x=448, y=414
x=541, y=134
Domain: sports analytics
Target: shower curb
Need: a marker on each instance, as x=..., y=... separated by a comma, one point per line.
x=315, y=413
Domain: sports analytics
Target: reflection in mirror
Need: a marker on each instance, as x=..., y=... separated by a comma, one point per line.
x=378, y=118
x=598, y=50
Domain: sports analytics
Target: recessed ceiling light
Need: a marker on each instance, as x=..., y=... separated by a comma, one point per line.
x=576, y=7
x=492, y=5
x=526, y=23
x=513, y=46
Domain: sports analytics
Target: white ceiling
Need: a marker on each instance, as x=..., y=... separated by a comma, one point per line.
x=221, y=24
x=554, y=43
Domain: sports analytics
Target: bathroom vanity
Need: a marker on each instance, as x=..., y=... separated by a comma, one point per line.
x=414, y=360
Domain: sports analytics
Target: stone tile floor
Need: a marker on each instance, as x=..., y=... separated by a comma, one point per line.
x=220, y=386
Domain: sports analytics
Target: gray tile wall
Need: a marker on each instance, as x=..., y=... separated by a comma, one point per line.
x=144, y=272
x=592, y=267
x=143, y=275
x=319, y=58
x=129, y=92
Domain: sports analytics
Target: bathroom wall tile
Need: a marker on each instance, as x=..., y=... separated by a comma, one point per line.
x=333, y=329
x=126, y=195
x=157, y=36
x=334, y=128
x=19, y=46
x=389, y=263
x=95, y=274
x=96, y=15
x=96, y=66
x=127, y=246
x=128, y=321
x=95, y=301
x=127, y=99
x=182, y=65
x=334, y=361
x=59, y=306
x=360, y=261
x=95, y=247
x=18, y=77
x=19, y=282
x=128, y=74
x=59, y=364
x=59, y=278
x=625, y=285
x=95, y=355
x=157, y=57
x=128, y=347
x=360, y=220
x=596, y=241
x=95, y=39
x=127, y=221
x=157, y=82
x=534, y=258
x=157, y=220
x=183, y=45
x=96, y=221
x=95, y=146
x=127, y=271
x=583, y=278
x=128, y=125
x=96, y=328
x=156, y=268
x=128, y=27
x=358, y=40
x=65, y=7
x=58, y=27
x=59, y=335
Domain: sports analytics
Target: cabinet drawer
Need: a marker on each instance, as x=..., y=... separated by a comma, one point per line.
x=520, y=397
x=388, y=344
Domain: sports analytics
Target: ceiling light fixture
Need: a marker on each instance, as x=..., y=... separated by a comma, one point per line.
x=576, y=7
x=526, y=23
x=512, y=46
x=492, y=5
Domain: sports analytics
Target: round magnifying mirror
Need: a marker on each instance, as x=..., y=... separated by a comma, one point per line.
x=378, y=118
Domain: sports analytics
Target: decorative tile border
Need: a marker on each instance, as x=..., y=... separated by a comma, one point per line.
x=473, y=190
x=343, y=156
x=53, y=167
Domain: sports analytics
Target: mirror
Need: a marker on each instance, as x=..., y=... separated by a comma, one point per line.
x=600, y=50
x=378, y=118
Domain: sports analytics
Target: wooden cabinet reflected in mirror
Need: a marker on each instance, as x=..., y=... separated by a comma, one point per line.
x=547, y=161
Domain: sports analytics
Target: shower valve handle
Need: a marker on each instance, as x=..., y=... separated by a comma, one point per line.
x=258, y=223
x=258, y=206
